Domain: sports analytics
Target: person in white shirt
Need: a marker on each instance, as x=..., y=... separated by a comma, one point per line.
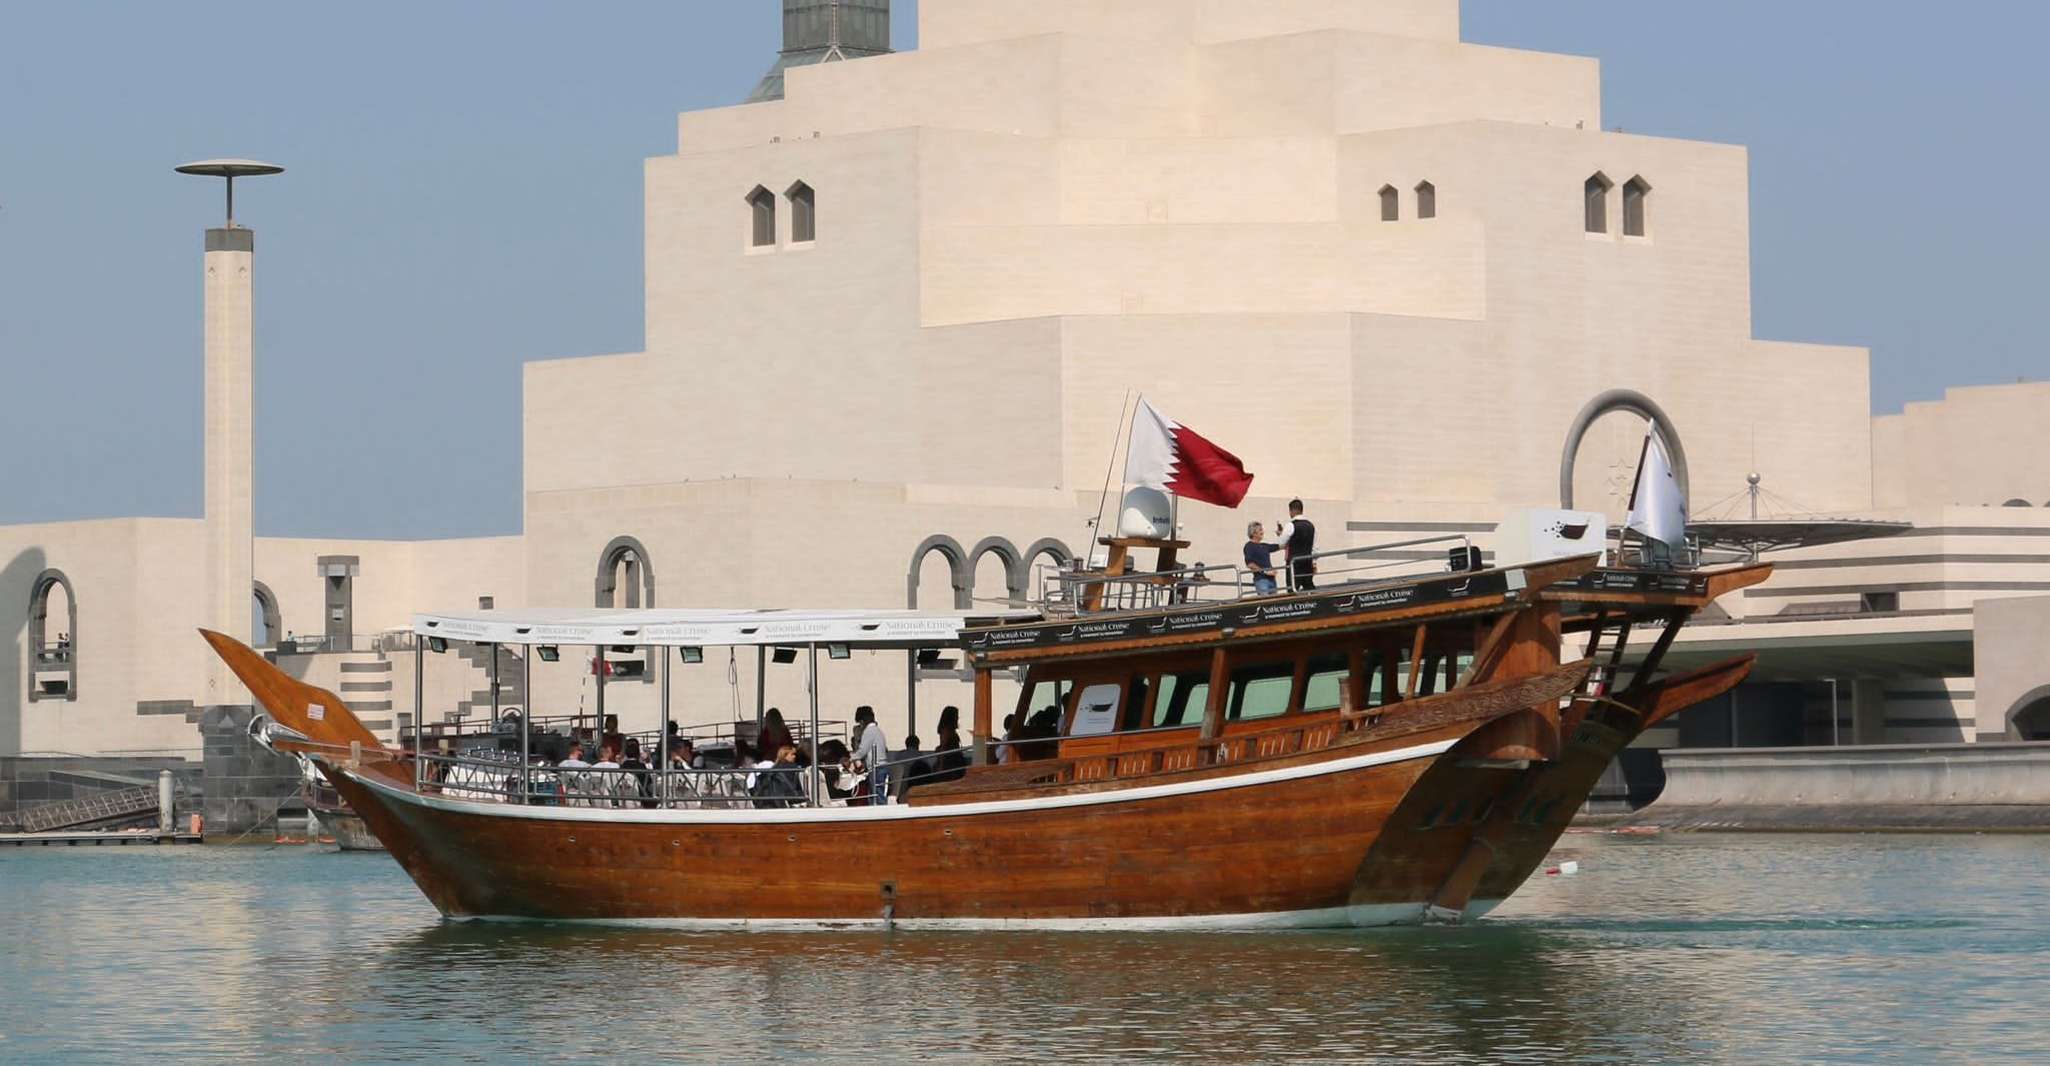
x=571, y=780
x=872, y=753
x=603, y=782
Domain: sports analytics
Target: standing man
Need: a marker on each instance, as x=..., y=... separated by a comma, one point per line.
x=1299, y=536
x=872, y=753
x=1260, y=560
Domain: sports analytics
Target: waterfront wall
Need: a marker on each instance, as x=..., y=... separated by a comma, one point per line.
x=1889, y=786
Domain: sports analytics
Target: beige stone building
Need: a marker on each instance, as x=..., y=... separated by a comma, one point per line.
x=904, y=296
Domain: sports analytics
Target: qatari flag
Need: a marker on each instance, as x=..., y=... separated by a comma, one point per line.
x=1165, y=454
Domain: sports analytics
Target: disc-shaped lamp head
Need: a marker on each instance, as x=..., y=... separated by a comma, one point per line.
x=230, y=169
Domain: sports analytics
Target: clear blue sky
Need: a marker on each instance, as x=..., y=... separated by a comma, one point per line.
x=464, y=195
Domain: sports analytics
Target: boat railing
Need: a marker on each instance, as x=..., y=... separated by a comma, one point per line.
x=1063, y=588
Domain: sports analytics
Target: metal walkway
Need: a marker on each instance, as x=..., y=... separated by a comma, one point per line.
x=122, y=805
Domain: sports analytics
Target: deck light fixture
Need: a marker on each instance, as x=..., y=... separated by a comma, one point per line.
x=928, y=657
x=437, y=645
x=838, y=651
x=784, y=655
x=549, y=653
x=692, y=655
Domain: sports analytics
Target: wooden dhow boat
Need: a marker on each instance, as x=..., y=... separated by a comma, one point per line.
x=1380, y=751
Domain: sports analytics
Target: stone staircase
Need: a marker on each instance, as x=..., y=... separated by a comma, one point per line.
x=512, y=689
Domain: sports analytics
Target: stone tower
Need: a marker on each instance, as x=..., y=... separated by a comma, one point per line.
x=229, y=427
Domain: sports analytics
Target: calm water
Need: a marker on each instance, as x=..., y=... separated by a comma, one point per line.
x=1691, y=948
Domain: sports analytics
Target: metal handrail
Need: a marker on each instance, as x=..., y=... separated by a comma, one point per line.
x=1063, y=587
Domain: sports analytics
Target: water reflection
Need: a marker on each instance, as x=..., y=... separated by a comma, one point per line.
x=1689, y=949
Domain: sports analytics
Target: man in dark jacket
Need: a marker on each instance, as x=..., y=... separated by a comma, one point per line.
x=1299, y=536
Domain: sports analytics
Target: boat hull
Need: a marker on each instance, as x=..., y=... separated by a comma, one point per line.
x=1277, y=849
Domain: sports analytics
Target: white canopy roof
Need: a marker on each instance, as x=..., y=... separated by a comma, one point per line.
x=715, y=628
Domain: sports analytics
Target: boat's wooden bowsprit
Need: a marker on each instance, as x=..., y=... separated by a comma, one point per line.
x=1378, y=752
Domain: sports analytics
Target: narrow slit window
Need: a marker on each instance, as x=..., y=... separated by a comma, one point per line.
x=1636, y=193
x=1391, y=204
x=761, y=205
x=1597, y=194
x=804, y=226
x=1426, y=200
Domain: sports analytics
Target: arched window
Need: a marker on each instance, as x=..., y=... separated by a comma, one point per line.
x=1426, y=200
x=624, y=576
x=804, y=219
x=1597, y=194
x=1391, y=204
x=265, y=623
x=1635, y=192
x=761, y=205
x=52, y=638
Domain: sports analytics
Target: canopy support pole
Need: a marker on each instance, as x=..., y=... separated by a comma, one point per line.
x=761, y=687
x=419, y=707
x=661, y=757
x=814, y=686
x=598, y=666
x=527, y=724
x=911, y=691
x=983, y=714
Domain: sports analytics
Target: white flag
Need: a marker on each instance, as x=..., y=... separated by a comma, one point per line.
x=1658, y=509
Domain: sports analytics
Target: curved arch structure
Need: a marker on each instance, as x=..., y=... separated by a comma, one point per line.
x=47, y=658
x=1051, y=547
x=638, y=582
x=957, y=561
x=273, y=621
x=2029, y=717
x=1014, y=566
x=1636, y=403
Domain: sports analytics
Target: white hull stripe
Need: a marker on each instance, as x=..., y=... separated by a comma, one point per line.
x=1369, y=916
x=899, y=812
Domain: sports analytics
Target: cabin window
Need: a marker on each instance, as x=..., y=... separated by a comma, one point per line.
x=1260, y=691
x=1096, y=712
x=1043, y=699
x=1181, y=699
x=761, y=209
x=1136, y=708
x=804, y=226
x=1324, y=688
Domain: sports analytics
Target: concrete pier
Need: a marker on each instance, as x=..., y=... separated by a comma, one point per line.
x=1908, y=787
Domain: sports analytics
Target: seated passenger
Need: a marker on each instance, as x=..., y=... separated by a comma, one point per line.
x=780, y=783
x=950, y=760
x=643, y=788
x=605, y=784
x=1008, y=752
x=571, y=781
x=913, y=769
x=774, y=734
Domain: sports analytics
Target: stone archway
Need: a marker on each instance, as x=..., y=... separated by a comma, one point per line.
x=1636, y=403
x=625, y=576
x=2029, y=717
x=1014, y=566
x=957, y=559
x=266, y=607
x=53, y=656
x=1045, y=547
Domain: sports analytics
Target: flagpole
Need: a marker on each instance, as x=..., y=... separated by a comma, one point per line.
x=1096, y=527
